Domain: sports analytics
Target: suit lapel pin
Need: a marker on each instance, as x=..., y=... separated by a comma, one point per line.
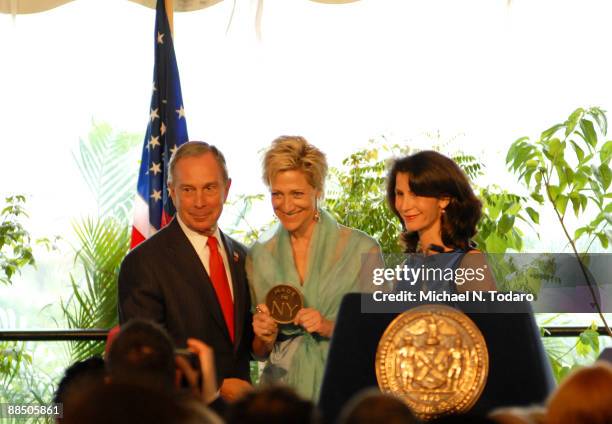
x=236, y=257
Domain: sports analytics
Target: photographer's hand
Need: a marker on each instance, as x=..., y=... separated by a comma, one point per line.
x=183, y=368
x=210, y=389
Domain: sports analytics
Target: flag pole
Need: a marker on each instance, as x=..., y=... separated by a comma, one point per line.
x=170, y=14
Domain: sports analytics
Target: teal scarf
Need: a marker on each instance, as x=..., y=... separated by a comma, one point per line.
x=335, y=266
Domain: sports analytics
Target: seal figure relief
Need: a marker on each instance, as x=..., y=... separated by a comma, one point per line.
x=434, y=358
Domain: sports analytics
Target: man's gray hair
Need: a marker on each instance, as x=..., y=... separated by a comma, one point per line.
x=196, y=148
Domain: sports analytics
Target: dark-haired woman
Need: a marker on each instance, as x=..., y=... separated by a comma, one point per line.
x=439, y=212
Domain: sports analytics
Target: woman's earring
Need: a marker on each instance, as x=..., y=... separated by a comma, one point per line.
x=316, y=215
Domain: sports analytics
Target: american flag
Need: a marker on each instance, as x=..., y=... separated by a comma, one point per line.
x=167, y=129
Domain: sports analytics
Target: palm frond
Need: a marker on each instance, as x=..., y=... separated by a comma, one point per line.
x=108, y=168
x=93, y=304
x=104, y=243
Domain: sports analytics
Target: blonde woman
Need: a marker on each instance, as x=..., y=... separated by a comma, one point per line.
x=310, y=251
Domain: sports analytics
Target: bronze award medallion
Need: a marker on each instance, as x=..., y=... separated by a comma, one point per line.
x=435, y=359
x=284, y=302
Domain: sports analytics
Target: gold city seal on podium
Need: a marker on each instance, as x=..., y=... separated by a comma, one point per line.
x=435, y=359
x=284, y=302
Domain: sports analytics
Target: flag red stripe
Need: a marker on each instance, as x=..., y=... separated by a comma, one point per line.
x=137, y=238
x=165, y=219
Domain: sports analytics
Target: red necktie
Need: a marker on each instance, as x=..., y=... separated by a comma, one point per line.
x=221, y=285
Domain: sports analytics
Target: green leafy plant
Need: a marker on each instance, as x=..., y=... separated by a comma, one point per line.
x=564, y=358
x=569, y=164
x=501, y=209
x=513, y=275
x=16, y=253
x=20, y=381
x=356, y=194
x=15, y=240
x=497, y=232
x=13, y=358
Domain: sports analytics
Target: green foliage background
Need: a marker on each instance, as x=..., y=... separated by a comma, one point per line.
x=109, y=170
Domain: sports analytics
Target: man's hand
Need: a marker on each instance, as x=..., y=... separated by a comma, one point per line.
x=264, y=327
x=312, y=321
x=232, y=389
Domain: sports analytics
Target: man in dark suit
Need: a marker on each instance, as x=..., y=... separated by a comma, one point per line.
x=189, y=276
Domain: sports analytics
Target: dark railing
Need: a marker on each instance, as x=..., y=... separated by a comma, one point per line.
x=570, y=331
x=100, y=334
x=54, y=335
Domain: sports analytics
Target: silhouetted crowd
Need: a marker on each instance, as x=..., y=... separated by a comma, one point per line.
x=144, y=379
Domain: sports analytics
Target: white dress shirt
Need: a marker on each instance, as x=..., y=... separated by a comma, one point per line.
x=198, y=241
